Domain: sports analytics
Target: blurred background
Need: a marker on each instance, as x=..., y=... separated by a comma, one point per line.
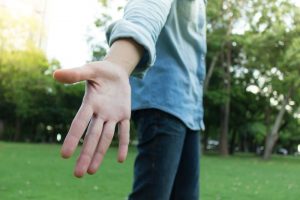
x=251, y=92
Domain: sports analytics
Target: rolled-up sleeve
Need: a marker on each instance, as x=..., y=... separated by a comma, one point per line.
x=143, y=21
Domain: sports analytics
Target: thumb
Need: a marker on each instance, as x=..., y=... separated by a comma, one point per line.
x=73, y=75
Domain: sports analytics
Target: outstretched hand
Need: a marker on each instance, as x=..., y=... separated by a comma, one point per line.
x=105, y=105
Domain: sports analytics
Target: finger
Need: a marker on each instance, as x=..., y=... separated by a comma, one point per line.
x=89, y=146
x=76, y=130
x=74, y=75
x=105, y=141
x=123, y=129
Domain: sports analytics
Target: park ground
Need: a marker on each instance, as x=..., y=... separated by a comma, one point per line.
x=36, y=171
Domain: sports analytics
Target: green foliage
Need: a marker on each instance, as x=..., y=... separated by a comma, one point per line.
x=32, y=98
x=33, y=106
x=258, y=130
x=21, y=77
x=103, y=2
x=262, y=38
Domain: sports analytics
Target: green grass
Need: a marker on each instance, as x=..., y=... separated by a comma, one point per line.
x=36, y=171
x=247, y=177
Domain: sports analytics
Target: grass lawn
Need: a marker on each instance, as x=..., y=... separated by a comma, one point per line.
x=36, y=171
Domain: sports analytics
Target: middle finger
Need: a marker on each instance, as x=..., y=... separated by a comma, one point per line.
x=89, y=146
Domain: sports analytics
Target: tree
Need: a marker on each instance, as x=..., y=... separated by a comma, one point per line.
x=222, y=18
x=248, y=44
x=31, y=102
x=275, y=32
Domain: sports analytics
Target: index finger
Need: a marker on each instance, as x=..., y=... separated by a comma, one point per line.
x=78, y=126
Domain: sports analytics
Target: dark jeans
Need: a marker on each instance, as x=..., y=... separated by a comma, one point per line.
x=167, y=164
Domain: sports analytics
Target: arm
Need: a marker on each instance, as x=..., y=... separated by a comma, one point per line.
x=106, y=103
x=143, y=21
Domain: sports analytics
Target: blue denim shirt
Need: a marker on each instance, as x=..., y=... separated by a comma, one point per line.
x=170, y=75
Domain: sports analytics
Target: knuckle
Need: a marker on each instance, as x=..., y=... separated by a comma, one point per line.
x=86, y=156
x=101, y=152
x=124, y=143
x=79, y=123
x=108, y=137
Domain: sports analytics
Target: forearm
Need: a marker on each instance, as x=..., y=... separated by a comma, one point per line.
x=126, y=53
x=143, y=21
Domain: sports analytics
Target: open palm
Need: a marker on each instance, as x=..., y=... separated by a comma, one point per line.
x=105, y=105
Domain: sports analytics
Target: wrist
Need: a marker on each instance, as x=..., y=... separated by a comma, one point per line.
x=118, y=63
x=125, y=53
x=115, y=69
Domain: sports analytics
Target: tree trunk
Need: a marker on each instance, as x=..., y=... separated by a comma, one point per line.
x=232, y=143
x=269, y=145
x=274, y=134
x=224, y=129
x=17, y=130
x=225, y=110
x=1, y=129
x=210, y=72
x=245, y=144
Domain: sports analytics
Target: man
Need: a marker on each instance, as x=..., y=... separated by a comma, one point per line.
x=163, y=43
